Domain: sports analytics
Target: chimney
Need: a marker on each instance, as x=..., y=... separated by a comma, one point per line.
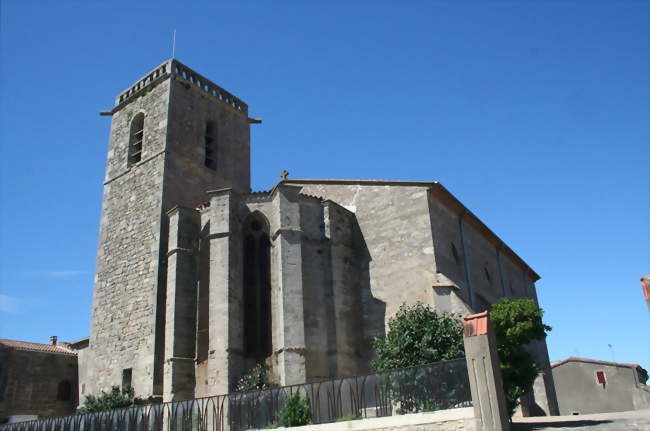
x=53, y=340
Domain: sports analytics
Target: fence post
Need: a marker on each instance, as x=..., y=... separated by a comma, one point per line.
x=485, y=374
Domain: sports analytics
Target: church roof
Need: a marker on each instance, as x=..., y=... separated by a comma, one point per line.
x=446, y=198
x=37, y=347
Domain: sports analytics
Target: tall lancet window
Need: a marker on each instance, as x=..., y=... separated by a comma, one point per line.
x=135, y=139
x=257, y=287
x=211, y=145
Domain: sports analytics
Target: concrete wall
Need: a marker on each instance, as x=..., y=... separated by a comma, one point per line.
x=29, y=383
x=579, y=391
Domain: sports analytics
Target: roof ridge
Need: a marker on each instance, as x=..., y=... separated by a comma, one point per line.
x=31, y=346
x=593, y=361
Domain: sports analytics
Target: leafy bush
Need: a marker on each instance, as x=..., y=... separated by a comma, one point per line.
x=255, y=379
x=517, y=323
x=296, y=411
x=419, y=335
x=114, y=399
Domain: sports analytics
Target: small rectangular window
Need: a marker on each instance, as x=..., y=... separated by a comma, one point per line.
x=127, y=375
x=600, y=377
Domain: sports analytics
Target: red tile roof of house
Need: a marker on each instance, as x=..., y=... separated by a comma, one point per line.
x=60, y=349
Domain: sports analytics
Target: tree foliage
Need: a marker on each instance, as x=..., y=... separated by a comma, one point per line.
x=114, y=399
x=517, y=323
x=419, y=335
x=296, y=411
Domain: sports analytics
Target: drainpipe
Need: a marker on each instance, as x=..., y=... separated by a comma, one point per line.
x=465, y=259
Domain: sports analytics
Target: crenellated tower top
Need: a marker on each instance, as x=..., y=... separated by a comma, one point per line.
x=184, y=73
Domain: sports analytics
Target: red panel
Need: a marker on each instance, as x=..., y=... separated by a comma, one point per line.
x=600, y=377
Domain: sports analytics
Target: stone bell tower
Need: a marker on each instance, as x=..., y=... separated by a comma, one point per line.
x=174, y=136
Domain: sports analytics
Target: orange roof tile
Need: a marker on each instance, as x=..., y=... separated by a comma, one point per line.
x=37, y=347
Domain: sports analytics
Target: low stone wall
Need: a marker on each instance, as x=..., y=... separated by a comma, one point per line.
x=441, y=420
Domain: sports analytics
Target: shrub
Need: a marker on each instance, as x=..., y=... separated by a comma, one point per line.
x=419, y=335
x=114, y=399
x=255, y=379
x=296, y=411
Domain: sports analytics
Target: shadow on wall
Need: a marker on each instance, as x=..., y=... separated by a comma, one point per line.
x=373, y=309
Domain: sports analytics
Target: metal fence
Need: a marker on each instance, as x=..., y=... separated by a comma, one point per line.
x=437, y=386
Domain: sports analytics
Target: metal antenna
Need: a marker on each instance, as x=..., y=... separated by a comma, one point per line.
x=174, y=45
x=611, y=349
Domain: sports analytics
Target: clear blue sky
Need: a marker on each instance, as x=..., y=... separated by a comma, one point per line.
x=534, y=114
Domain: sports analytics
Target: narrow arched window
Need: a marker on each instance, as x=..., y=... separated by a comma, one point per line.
x=64, y=391
x=257, y=288
x=135, y=139
x=210, y=140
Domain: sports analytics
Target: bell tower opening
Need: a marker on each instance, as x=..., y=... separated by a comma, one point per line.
x=257, y=288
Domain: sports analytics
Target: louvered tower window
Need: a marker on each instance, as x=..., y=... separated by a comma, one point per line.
x=136, y=138
x=211, y=145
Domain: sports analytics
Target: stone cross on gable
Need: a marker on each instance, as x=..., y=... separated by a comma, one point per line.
x=284, y=174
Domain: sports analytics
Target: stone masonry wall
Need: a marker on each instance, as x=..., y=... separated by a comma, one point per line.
x=492, y=275
x=31, y=383
x=486, y=266
x=130, y=287
x=190, y=110
x=395, y=237
x=128, y=256
x=317, y=282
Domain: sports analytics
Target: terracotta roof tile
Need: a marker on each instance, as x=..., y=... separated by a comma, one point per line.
x=37, y=347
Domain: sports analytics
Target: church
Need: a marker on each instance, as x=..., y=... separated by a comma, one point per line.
x=199, y=278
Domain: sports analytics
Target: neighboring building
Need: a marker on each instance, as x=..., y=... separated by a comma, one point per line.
x=198, y=278
x=36, y=380
x=645, y=285
x=589, y=386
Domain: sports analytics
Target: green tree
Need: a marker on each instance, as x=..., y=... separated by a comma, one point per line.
x=418, y=335
x=296, y=411
x=517, y=323
x=114, y=399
